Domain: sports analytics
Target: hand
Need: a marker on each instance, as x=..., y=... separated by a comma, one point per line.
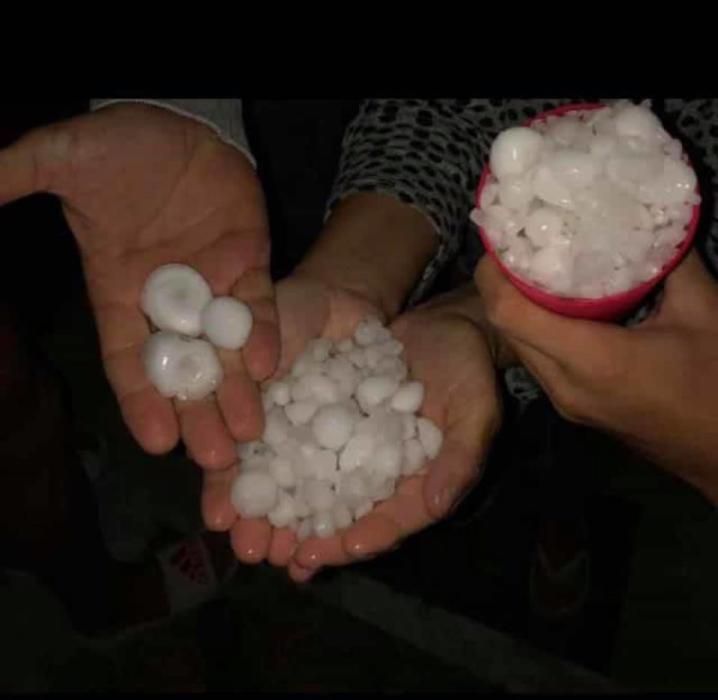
x=653, y=385
x=445, y=349
x=339, y=282
x=308, y=308
x=141, y=186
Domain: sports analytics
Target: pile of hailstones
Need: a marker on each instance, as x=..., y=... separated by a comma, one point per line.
x=341, y=429
x=588, y=204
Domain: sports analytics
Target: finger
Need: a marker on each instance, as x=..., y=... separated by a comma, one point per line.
x=451, y=476
x=282, y=547
x=369, y=536
x=381, y=529
x=299, y=574
x=239, y=399
x=583, y=346
x=149, y=416
x=217, y=510
x=205, y=434
x=25, y=165
x=250, y=539
x=261, y=352
x=690, y=293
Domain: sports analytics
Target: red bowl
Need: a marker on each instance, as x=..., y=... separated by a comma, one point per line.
x=608, y=308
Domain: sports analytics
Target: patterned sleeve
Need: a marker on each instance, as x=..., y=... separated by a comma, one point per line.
x=696, y=124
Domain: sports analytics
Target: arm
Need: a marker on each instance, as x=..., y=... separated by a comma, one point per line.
x=405, y=187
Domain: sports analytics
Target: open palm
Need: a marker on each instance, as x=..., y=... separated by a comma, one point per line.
x=141, y=186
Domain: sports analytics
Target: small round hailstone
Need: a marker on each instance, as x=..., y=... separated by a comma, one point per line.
x=305, y=529
x=353, y=488
x=322, y=388
x=430, y=437
x=173, y=298
x=373, y=390
x=254, y=494
x=318, y=494
x=280, y=469
x=551, y=267
x=544, y=226
x=356, y=452
x=344, y=375
x=245, y=450
x=393, y=367
x=383, y=424
x=227, y=323
x=283, y=513
x=279, y=392
x=387, y=460
x=332, y=426
x=256, y=463
x=345, y=346
x=383, y=334
x=301, y=508
x=276, y=427
x=323, y=524
x=373, y=355
x=305, y=460
x=414, y=457
x=319, y=349
x=514, y=151
x=357, y=357
x=342, y=516
x=325, y=465
x=301, y=389
x=367, y=332
x=408, y=421
x=179, y=367
x=408, y=397
x=305, y=364
x=301, y=412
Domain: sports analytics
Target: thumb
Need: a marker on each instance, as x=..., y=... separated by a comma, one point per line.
x=691, y=294
x=26, y=166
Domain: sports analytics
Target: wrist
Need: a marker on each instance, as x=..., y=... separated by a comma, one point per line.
x=375, y=246
x=466, y=302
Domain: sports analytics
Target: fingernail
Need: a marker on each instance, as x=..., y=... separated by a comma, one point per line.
x=446, y=499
